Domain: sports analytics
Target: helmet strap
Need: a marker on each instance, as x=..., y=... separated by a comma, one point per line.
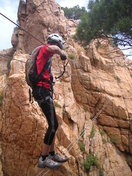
x=51, y=42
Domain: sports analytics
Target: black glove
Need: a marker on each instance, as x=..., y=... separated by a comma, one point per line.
x=63, y=57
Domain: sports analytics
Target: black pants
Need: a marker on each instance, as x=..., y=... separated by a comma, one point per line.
x=44, y=98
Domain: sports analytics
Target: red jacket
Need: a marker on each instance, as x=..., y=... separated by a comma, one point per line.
x=42, y=57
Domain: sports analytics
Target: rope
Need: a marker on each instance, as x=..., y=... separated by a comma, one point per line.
x=21, y=28
x=64, y=67
x=11, y=59
x=71, y=145
x=93, y=118
x=32, y=36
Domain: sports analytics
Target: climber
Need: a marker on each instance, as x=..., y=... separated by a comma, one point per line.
x=43, y=94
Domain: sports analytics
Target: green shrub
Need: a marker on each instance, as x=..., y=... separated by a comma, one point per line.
x=92, y=132
x=102, y=132
x=81, y=146
x=57, y=105
x=85, y=108
x=118, y=79
x=71, y=56
x=114, y=139
x=75, y=37
x=104, y=141
x=91, y=160
x=1, y=98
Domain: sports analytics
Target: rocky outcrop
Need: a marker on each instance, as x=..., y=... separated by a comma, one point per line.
x=23, y=124
x=5, y=58
x=106, y=78
x=92, y=100
x=71, y=27
x=1, y=172
x=49, y=17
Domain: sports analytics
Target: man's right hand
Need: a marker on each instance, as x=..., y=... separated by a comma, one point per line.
x=56, y=50
x=63, y=57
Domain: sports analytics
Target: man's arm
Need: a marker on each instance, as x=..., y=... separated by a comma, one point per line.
x=55, y=49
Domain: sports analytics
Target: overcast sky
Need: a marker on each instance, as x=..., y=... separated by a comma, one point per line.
x=9, y=8
x=71, y=3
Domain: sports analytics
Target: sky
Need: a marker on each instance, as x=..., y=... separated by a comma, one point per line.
x=10, y=8
x=71, y=3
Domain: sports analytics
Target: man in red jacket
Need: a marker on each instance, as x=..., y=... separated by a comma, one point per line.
x=43, y=95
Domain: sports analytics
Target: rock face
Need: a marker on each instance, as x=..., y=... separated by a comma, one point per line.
x=105, y=78
x=40, y=18
x=5, y=57
x=93, y=103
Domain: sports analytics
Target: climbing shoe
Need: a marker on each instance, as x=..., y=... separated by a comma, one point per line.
x=58, y=158
x=48, y=162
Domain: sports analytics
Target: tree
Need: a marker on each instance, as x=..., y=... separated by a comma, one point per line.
x=107, y=18
x=74, y=13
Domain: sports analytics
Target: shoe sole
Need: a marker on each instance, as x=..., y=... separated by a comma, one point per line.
x=61, y=161
x=40, y=166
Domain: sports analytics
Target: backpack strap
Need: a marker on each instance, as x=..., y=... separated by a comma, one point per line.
x=40, y=76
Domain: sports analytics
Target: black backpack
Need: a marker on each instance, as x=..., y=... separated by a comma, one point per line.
x=32, y=78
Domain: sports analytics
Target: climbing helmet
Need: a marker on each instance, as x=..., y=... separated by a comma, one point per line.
x=56, y=38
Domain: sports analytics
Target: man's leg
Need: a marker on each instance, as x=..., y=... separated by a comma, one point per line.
x=48, y=148
x=55, y=156
x=52, y=147
x=45, y=150
x=49, y=140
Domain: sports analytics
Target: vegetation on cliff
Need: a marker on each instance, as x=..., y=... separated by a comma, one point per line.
x=113, y=18
x=1, y=98
x=74, y=12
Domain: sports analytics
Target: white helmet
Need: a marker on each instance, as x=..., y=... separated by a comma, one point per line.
x=56, y=38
